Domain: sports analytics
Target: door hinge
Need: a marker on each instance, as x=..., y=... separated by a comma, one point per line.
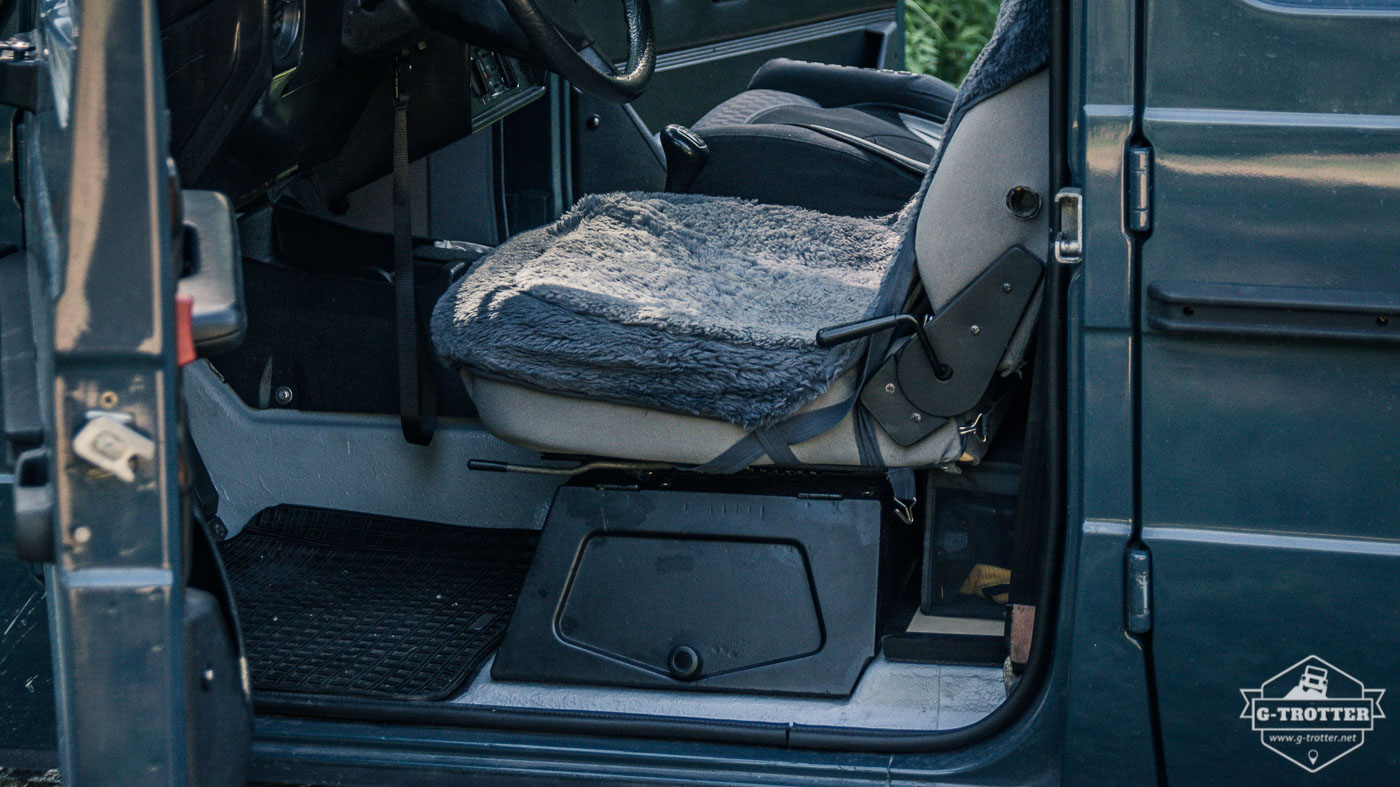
x=1139, y=217
x=1137, y=590
x=19, y=73
x=1069, y=243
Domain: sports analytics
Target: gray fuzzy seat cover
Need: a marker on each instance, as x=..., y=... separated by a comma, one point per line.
x=681, y=302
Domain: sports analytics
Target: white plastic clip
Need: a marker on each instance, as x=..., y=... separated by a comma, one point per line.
x=112, y=445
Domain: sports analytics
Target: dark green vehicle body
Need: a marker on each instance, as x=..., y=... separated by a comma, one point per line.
x=1231, y=417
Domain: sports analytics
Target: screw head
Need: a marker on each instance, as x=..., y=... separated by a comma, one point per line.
x=976, y=329
x=889, y=388
x=283, y=395
x=916, y=417
x=1006, y=287
x=593, y=122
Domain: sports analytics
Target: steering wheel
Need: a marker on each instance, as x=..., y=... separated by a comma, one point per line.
x=557, y=34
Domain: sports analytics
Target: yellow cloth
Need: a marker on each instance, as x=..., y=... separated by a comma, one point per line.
x=984, y=577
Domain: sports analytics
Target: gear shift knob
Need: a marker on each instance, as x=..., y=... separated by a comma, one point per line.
x=686, y=154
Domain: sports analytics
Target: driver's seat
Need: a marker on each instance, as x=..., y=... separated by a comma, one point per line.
x=679, y=328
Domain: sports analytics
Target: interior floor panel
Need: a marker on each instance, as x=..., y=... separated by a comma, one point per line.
x=359, y=605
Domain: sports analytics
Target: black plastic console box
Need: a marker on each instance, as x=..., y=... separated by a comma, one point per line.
x=700, y=590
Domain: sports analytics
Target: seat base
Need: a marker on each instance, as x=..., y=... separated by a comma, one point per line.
x=558, y=424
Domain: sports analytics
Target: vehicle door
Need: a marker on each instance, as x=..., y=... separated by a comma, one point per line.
x=148, y=684
x=1263, y=189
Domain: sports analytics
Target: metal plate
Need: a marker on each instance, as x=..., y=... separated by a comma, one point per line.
x=970, y=336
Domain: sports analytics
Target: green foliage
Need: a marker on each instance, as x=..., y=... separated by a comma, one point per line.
x=943, y=37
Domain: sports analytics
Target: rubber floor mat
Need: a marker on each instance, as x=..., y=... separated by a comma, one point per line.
x=358, y=605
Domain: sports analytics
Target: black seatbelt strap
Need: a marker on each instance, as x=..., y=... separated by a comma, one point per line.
x=417, y=386
x=775, y=441
x=776, y=446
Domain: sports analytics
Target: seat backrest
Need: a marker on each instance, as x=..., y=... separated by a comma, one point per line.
x=996, y=142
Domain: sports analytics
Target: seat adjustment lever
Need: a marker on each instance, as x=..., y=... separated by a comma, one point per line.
x=833, y=335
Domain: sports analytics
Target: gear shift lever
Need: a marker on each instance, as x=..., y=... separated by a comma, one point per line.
x=686, y=155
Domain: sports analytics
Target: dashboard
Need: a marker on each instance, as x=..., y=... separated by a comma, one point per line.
x=262, y=90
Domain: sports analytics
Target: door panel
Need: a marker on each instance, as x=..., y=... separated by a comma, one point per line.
x=1270, y=454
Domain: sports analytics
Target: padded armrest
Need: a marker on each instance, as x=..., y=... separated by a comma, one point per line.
x=835, y=86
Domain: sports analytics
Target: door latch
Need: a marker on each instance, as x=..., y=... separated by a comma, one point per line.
x=1069, y=243
x=108, y=441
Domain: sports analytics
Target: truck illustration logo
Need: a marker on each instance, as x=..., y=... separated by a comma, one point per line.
x=1312, y=713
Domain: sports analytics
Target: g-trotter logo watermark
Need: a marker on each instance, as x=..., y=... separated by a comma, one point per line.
x=1312, y=713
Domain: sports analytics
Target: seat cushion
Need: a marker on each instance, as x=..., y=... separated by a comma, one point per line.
x=706, y=306
x=555, y=424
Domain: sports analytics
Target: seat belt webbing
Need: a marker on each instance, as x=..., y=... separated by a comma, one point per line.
x=806, y=425
x=417, y=386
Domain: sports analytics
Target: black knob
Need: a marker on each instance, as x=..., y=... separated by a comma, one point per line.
x=686, y=154
x=684, y=663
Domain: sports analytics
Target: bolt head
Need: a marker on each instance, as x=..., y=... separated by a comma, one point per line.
x=283, y=395
x=1006, y=287
x=916, y=417
x=889, y=388
x=976, y=329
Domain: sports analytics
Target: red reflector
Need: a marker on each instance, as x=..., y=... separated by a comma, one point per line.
x=184, y=330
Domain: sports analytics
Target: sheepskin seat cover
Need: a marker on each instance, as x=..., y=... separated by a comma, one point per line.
x=682, y=302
